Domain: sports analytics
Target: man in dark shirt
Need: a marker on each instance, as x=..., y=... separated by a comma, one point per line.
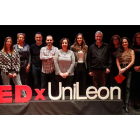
x=35, y=59
x=99, y=61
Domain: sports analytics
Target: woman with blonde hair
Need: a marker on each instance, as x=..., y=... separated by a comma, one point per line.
x=10, y=64
x=24, y=52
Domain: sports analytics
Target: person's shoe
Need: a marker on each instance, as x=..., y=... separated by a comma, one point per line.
x=23, y=95
x=127, y=108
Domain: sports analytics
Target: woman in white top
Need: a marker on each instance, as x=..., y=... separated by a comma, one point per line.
x=64, y=62
x=80, y=50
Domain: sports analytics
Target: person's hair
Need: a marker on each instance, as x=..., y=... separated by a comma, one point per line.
x=4, y=49
x=120, y=50
x=67, y=41
x=134, y=39
x=38, y=33
x=98, y=32
x=19, y=35
x=112, y=46
x=76, y=46
x=49, y=36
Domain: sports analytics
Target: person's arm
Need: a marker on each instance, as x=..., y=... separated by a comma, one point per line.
x=109, y=61
x=3, y=67
x=121, y=71
x=118, y=64
x=17, y=59
x=71, y=68
x=43, y=57
x=29, y=59
x=89, y=62
x=57, y=69
x=132, y=60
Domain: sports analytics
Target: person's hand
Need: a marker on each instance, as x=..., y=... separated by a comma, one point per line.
x=66, y=74
x=107, y=70
x=90, y=73
x=27, y=68
x=137, y=68
x=14, y=75
x=121, y=71
x=10, y=75
x=62, y=75
x=53, y=56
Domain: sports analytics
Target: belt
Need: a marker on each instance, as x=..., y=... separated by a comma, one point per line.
x=124, y=65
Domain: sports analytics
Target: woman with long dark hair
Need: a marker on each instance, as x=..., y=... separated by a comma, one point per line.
x=125, y=59
x=10, y=64
x=114, y=45
x=64, y=62
x=80, y=50
x=135, y=90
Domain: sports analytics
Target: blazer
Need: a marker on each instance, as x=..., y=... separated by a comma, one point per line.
x=76, y=56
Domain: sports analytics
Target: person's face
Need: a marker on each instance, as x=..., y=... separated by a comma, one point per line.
x=138, y=38
x=125, y=43
x=21, y=38
x=8, y=43
x=115, y=41
x=64, y=44
x=38, y=38
x=49, y=41
x=98, y=38
x=79, y=39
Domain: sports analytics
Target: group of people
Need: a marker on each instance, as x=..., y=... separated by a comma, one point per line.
x=71, y=63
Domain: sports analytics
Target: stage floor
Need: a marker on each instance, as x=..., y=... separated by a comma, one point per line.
x=63, y=107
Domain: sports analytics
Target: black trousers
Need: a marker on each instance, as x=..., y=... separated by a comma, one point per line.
x=125, y=86
x=24, y=76
x=45, y=78
x=80, y=76
x=66, y=82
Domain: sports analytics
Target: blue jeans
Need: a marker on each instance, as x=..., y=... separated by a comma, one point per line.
x=36, y=72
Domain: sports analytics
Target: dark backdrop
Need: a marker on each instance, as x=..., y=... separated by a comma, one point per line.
x=68, y=31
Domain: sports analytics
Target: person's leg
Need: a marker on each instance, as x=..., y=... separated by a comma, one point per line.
x=53, y=83
x=44, y=82
x=5, y=79
x=82, y=80
x=58, y=79
x=36, y=76
x=17, y=81
x=103, y=78
x=95, y=78
x=67, y=82
x=128, y=82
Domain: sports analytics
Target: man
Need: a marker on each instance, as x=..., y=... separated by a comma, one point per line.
x=35, y=59
x=47, y=54
x=99, y=61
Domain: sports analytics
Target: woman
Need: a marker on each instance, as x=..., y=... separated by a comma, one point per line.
x=135, y=90
x=23, y=49
x=80, y=51
x=10, y=64
x=114, y=45
x=64, y=62
x=125, y=60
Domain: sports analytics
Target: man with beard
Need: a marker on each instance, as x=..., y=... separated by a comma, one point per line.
x=47, y=54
